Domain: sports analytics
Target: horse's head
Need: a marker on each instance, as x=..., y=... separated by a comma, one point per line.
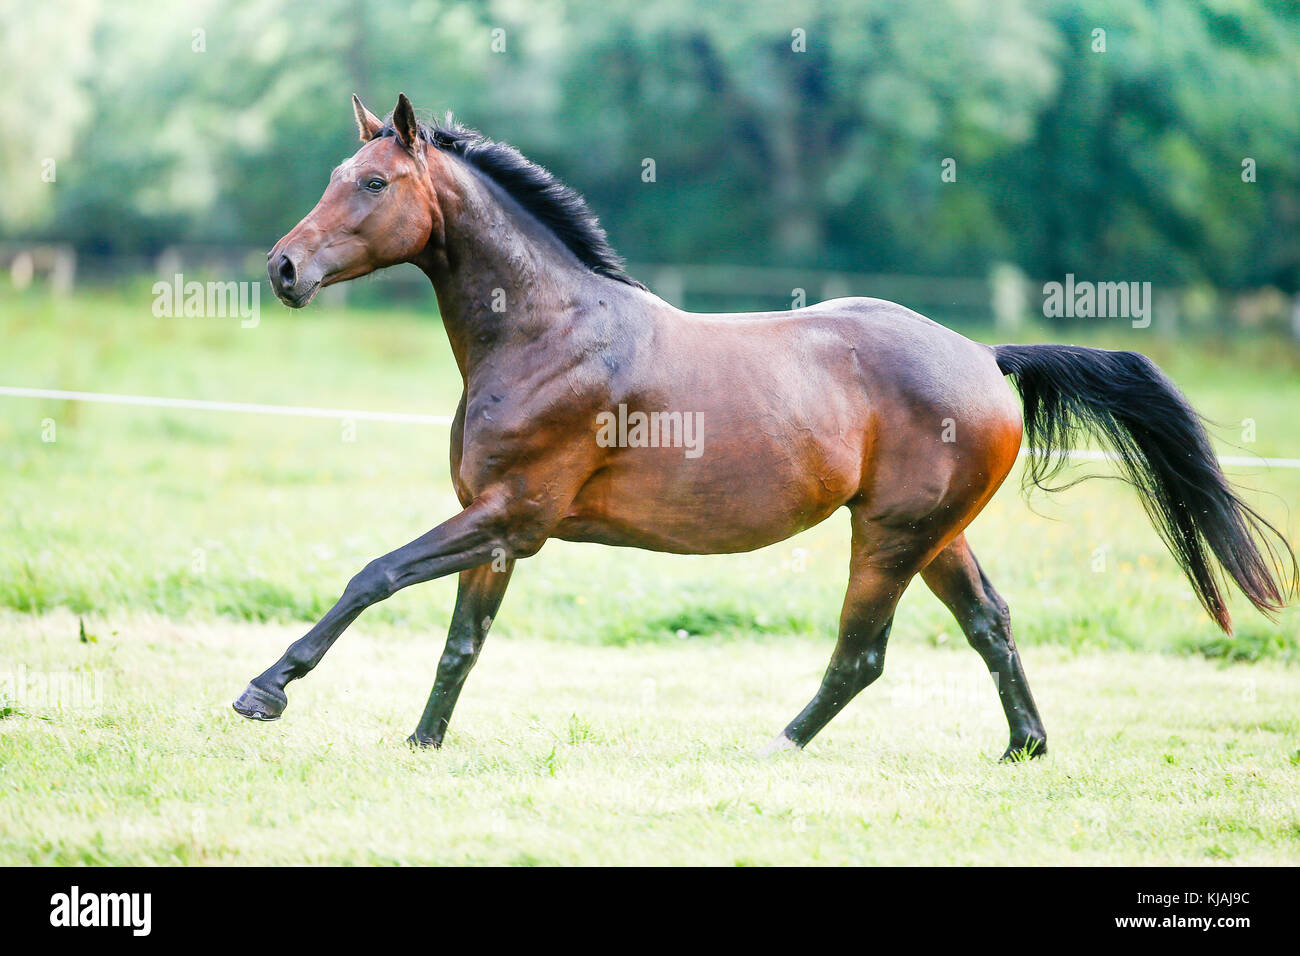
x=379, y=209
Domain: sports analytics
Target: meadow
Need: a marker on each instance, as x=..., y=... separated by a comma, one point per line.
x=153, y=560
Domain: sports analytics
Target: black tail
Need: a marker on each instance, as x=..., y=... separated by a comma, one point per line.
x=1123, y=399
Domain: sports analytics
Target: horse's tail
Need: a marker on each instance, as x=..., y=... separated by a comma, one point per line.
x=1123, y=399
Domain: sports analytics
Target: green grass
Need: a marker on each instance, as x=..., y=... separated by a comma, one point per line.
x=195, y=545
x=565, y=753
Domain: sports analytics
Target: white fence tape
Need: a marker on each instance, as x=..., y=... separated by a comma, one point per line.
x=409, y=418
x=154, y=401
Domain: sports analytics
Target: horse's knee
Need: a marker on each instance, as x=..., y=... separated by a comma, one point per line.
x=373, y=583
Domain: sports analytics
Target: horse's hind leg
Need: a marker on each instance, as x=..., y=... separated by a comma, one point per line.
x=957, y=579
x=882, y=564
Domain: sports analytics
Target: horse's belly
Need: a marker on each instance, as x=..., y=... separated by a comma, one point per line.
x=646, y=499
x=679, y=533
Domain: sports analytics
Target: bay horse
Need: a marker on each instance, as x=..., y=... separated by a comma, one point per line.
x=854, y=403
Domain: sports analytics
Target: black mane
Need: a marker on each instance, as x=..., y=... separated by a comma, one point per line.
x=557, y=206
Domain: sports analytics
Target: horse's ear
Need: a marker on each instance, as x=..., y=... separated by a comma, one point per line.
x=408, y=130
x=368, y=124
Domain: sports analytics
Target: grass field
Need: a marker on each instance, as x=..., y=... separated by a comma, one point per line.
x=614, y=713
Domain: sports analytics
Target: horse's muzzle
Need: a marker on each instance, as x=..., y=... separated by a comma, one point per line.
x=287, y=281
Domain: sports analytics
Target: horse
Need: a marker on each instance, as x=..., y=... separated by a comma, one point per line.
x=853, y=403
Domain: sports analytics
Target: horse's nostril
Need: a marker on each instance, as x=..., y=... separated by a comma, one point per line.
x=287, y=273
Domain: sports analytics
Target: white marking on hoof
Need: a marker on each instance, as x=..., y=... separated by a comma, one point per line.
x=778, y=744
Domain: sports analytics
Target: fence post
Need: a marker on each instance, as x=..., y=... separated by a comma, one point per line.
x=63, y=271
x=1010, y=298
x=670, y=285
x=22, y=269
x=1165, y=314
x=835, y=287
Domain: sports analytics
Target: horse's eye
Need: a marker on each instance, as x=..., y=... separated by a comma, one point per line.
x=375, y=184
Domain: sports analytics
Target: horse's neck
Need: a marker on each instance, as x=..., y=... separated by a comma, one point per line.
x=502, y=279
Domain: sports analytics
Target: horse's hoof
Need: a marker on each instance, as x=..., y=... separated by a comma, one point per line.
x=419, y=742
x=1031, y=748
x=256, y=703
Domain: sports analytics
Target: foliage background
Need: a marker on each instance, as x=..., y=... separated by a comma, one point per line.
x=1118, y=164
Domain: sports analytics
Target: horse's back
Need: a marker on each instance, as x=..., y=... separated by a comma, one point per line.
x=936, y=423
x=894, y=353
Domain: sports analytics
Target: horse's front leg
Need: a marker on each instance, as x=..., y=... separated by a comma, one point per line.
x=475, y=536
x=477, y=600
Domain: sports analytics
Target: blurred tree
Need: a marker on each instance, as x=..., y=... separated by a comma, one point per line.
x=220, y=121
x=803, y=137
x=43, y=106
x=891, y=136
x=1136, y=167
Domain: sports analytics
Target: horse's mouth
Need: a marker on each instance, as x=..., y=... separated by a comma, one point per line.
x=300, y=300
